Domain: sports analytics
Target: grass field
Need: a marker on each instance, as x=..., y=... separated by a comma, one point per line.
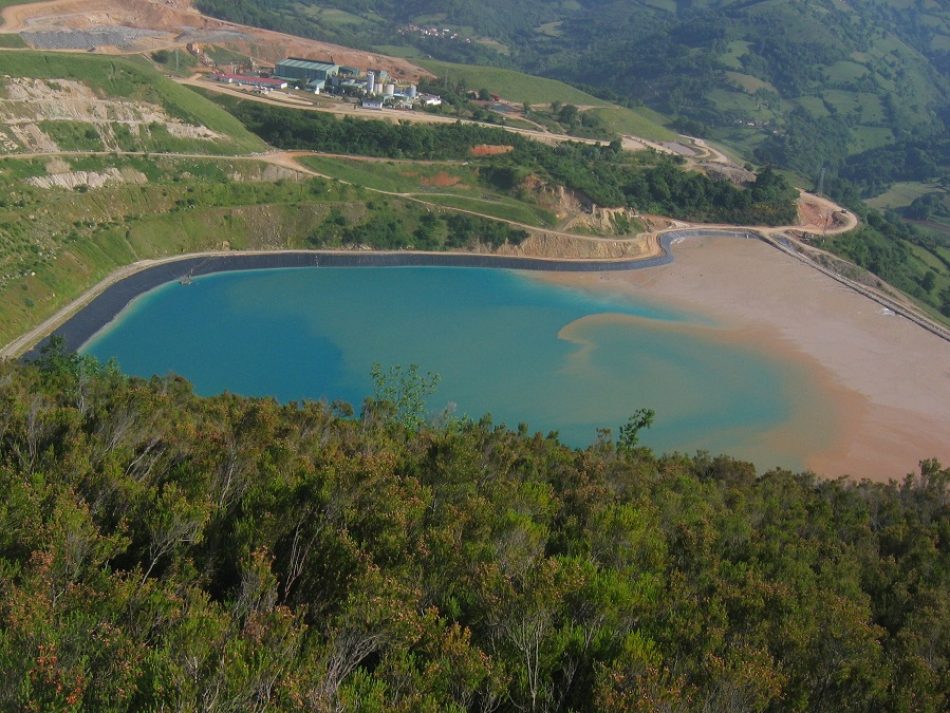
x=222, y=55
x=12, y=42
x=136, y=80
x=404, y=51
x=640, y=122
x=814, y=105
x=749, y=83
x=869, y=137
x=519, y=87
x=845, y=71
x=506, y=208
x=397, y=177
x=447, y=184
x=511, y=85
x=335, y=18
x=901, y=194
x=73, y=135
x=738, y=101
x=732, y=57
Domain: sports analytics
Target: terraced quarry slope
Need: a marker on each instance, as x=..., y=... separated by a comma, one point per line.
x=55, y=102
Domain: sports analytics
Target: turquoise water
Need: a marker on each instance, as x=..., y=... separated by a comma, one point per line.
x=503, y=343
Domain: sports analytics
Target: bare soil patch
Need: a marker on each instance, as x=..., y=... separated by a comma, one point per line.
x=440, y=180
x=819, y=215
x=490, y=150
x=146, y=25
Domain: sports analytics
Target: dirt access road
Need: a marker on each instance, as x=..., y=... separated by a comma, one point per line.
x=174, y=23
x=341, y=108
x=643, y=246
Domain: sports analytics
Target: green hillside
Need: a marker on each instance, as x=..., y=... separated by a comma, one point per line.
x=796, y=84
x=524, y=88
x=131, y=82
x=512, y=85
x=57, y=241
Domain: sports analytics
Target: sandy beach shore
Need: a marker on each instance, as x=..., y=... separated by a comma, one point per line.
x=888, y=378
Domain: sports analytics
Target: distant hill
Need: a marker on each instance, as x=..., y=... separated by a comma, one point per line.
x=800, y=84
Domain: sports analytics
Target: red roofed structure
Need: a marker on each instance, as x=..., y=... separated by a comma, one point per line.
x=249, y=81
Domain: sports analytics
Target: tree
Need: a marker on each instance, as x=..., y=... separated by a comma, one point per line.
x=568, y=114
x=404, y=391
x=629, y=435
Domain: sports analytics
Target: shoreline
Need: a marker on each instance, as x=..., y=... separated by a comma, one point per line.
x=765, y=297
x=99, y=305
x=888, y=379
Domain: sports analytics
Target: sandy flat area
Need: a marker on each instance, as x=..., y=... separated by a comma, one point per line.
x=888, y=378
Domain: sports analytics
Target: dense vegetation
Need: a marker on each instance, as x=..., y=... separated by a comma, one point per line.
x=605, y=174
x=913, y=260
x=163, y=551
x=873, y=171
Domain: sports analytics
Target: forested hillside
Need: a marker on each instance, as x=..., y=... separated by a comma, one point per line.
x=801, y=84
x=164, y=551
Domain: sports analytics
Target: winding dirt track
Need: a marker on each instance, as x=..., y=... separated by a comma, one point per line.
x=817, y=215
x=290, y=160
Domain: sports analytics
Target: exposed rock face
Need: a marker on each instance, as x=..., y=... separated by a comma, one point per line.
x=29, y=102
x=266, y=173
x=89, y=179
x=581, y=248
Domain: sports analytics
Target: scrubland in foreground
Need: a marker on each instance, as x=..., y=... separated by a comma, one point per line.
x=159, y=549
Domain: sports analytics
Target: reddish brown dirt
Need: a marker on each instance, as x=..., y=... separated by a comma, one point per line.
x=440, y=180
x=817, y=214
x=178, y=22
x=490, y=150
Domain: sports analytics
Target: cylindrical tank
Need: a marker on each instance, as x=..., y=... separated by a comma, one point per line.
x=370, y=83
x=390, y=89
x=412, y=91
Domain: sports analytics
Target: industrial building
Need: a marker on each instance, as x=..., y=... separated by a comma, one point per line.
x=250, y=81
x=294, y=68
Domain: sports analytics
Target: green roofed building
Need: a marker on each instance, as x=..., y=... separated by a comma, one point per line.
x=306, y=69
